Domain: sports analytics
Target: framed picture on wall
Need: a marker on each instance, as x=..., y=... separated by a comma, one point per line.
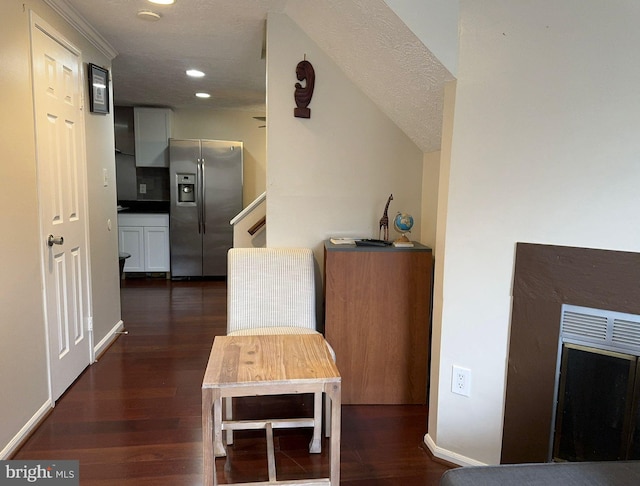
x=98, y=89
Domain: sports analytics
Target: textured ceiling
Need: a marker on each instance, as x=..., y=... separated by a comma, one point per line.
x=224, y=38
x=382, y=56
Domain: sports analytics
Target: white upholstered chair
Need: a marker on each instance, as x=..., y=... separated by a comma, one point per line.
x=272, y=291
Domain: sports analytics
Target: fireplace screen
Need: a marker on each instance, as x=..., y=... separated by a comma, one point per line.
x=597, y=409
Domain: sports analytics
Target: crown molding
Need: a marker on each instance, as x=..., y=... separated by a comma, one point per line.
x=77, y=21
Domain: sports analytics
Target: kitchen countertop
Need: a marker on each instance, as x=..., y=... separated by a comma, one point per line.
x=143, y=206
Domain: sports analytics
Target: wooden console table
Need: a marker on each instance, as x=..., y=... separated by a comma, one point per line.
x=242, y=366
x=377, y=319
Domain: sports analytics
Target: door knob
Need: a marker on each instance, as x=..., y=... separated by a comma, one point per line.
x=55, y=240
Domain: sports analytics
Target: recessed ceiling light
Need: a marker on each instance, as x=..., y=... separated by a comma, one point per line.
x=194, y=73
x=163, y=2
x=203, y=95
x=148, y=15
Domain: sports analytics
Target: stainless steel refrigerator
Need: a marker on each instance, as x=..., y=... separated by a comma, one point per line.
x=206, y=193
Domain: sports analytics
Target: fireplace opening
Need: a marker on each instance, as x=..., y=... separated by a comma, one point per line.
x=597, y=412
x=594, y=421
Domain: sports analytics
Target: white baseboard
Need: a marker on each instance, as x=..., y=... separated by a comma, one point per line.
x=106, y=341
x=448, y=455
x=24, y=432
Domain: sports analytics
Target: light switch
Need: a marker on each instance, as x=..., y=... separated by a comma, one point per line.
x=143, y=188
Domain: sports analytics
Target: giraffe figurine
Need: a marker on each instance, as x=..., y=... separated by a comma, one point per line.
x=384, y=221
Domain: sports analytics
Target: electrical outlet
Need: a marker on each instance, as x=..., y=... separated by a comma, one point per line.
x=461, y=381
x=143, y=188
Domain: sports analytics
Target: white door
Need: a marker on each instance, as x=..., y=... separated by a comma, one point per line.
x=62, y=199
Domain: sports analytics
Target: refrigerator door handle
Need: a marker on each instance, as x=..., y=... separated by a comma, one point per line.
x=199, y=202
x=204, y=199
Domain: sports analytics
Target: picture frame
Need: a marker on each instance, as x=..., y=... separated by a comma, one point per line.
x=98, y=89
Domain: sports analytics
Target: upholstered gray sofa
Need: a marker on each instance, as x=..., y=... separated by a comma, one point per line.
x=625, y=473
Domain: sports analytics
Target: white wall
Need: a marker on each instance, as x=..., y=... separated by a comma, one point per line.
x=439, y=246
x=229, y=125
x=545, y=150
x=430, y=180
x=22, y=346
x=23, y=361
x=103, y=215
x=330, y=174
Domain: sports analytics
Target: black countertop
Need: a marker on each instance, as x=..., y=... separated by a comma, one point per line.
x=143, y=206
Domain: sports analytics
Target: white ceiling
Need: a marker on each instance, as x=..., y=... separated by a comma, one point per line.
x=224, y=38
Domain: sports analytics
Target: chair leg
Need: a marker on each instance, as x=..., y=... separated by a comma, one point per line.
x=327, y=416
x=316, y=445
x=228, y=403
x=327, y=399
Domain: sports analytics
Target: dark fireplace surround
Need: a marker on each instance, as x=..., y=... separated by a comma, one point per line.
x=546, y=277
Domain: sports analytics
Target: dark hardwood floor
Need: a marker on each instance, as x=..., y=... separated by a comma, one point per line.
x=133, y=418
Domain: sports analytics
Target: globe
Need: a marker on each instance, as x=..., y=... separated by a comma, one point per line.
x=403, y=223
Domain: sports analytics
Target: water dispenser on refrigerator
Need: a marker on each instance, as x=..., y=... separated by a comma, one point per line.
x=186, y=189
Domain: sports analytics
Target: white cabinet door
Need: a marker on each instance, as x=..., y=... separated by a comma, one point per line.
x=132, y=242
x=152, y=132
x=156, y=243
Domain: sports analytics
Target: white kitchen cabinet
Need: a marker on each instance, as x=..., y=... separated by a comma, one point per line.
x=156, y=249
x=131, y=241
x=146, y=238
x=152, y=129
